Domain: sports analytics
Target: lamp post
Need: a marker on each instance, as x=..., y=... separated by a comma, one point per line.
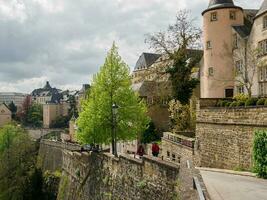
x=114, y=135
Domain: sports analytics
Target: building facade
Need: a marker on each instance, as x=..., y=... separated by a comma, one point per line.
x=51, y=111
x=233, y=38
x=16, y=98
x=5, y=115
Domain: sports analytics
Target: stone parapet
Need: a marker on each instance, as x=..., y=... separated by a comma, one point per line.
x=224, y=136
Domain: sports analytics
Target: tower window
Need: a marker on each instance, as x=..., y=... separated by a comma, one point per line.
x=233, y=15
x=213, y=16
x=211, y=71
x=208, y=45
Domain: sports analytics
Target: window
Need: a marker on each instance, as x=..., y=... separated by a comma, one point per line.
x=235, y=42
x=266, y=73
x=168, y=154
x=211, y=71
x=239, y=66
x=240, y=89
x=208, y=45
x=263, y=47
x=173, y=157
x=264, y=22
x=232, y=15
x=229, y=93
x=261, y=89
x=213, y=16
x=261, y=74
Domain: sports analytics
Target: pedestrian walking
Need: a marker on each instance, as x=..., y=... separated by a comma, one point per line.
x=155, y=149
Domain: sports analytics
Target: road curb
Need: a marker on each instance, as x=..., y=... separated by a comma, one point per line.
x=249, y=174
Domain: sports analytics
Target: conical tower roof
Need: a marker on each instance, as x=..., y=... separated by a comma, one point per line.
x=263, y=8
x=219, y=4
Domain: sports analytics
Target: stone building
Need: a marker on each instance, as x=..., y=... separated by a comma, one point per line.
x=229, y=31
x=152, y=83
x=5, y=115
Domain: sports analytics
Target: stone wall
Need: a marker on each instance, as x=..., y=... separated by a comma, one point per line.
x=177, y=148
x=225, y=136
x=50, y=154
x=101, y=176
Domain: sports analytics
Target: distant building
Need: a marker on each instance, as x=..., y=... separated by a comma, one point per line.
x=51, y=111
x=82, y=95
x=229, y=31
x=47, y=94
x=5, y=115
x=16, y=98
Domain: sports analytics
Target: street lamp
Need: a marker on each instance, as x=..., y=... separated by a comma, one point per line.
x=114, y=136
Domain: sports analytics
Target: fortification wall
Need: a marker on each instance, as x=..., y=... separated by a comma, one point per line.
x=224, y=136
x=101, y=176
x=50, y=154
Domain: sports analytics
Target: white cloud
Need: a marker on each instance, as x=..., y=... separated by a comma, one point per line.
x=66, y=41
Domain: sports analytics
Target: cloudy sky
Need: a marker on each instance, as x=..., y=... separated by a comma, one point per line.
x=65, y=41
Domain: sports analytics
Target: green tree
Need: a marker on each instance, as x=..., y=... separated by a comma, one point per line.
x=35, y=115
x=150, y=134
x=73, y=111
x=260, y=153
x=180, y=43
x=112, y=85
x=17, y=162
x=13, y=108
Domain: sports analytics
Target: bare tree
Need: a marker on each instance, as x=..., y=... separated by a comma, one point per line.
x=177, y=44
x=247, y=62
x=181, y=35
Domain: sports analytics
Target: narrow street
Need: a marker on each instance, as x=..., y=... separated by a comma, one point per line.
x=223, y=186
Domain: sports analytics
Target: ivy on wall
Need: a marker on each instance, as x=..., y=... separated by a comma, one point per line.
x=260, y=153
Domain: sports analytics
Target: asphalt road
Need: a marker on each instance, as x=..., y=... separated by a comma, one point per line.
x=223, y=186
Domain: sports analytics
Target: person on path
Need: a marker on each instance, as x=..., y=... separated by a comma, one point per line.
x=155, y=149
x=141, y=150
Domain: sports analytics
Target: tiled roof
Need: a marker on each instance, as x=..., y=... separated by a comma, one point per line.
x=218, y=4
x=146, y=60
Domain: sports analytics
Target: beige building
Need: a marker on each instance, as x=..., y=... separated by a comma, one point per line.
x=51, y=111
x=5, y=115
x=230, y=35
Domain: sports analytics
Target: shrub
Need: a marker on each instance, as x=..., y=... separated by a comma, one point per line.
x=233, y=104
x=241, y=97
x=261, y=102
x=251, y=102
x=265, y=102
x=240, y=103
x=221, y=103
x=260, y=153
x=227, y=104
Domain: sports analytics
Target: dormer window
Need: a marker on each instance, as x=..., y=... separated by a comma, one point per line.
x=232, y=15
x=265, y=22
x=213, y=16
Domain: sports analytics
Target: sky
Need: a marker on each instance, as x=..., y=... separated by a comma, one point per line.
x=66, y=41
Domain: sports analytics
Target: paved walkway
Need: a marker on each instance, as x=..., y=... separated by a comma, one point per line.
x=223, y=186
